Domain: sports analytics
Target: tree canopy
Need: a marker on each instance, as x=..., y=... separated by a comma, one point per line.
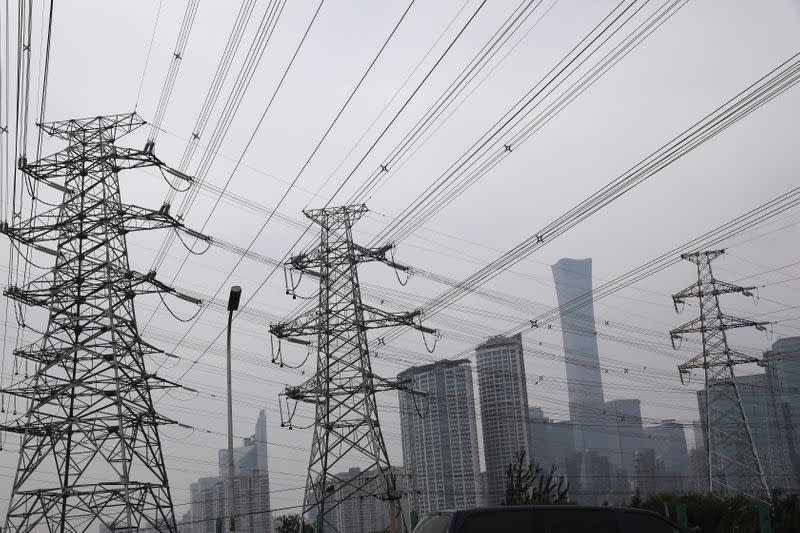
x=527, y=483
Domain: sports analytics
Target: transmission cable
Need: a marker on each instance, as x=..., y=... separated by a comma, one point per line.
x=174, y=67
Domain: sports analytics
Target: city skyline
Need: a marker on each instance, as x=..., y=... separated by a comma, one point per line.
x=337, y=105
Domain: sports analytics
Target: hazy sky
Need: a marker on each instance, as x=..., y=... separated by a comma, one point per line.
x=705, y=54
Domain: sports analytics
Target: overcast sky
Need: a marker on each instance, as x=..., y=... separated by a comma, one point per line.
x=706, y=53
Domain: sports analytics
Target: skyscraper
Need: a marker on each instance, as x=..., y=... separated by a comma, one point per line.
x=440, y=437
x=504, y=408
x=251, y=488
x=573, y=280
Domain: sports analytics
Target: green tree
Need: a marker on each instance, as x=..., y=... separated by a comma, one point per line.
x=527, y=483
x=290, y=523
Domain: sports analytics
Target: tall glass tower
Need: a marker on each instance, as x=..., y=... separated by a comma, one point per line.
x=573, y=279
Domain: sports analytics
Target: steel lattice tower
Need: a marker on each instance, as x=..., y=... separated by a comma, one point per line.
x=344, y=386
x=89, y=443
x=733, y=463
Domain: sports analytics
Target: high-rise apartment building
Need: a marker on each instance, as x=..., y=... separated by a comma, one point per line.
x=504, y=408
x=440, y=437
x=209, y=500
x=573, y=280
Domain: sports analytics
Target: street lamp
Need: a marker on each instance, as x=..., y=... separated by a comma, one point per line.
x=233, y=305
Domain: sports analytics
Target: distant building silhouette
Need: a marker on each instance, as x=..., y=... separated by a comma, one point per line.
x=573, y=280
x=668, y=441
x=625, y=424
x=440, y=437
x=550, y=441
x=782, y=365
x=355, y=503
x=770, y=433
x=208, y=495
x=504, y=408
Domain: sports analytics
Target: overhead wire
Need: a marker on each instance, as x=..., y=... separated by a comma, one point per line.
x=147, y=59
x=171, y=78
x=753, y=97
x=337, y=116
x=505, y=136
x=235, y=36
x=241, y=84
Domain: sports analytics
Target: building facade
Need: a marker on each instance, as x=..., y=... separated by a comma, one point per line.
x=668, y=441
x=625, y=427
x=504, y=408
x=782, y=364
x=440, y=437
x=770, y=433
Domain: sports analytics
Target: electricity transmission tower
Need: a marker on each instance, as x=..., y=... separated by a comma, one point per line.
x=344, y=386
x=732, y=459
x=89, y=442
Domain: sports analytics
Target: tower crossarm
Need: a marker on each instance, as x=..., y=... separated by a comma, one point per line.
x=364, y=254
x=68, y=162
x=304, y=325
x=702, y=257
x=51, y=225
x=42, y=392
x=378, y=318
x=40, y=291
x=725, y=359
x=702, y=289
x=149, y=284
x=719, y=323
x=309, y=262
x=316, y=391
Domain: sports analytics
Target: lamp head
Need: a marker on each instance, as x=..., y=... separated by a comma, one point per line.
x=233, y=299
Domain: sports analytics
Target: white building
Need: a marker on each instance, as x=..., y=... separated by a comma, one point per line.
x=440, y=437
x=504, y=408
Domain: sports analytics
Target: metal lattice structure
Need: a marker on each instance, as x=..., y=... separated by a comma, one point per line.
x=344, y=386
x=90, y=452
x=732, y=459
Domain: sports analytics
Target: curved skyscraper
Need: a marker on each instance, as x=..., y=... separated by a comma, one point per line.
x=573, y=279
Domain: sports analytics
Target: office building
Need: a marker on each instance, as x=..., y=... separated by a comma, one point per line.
x=504, y=408
x=770, y=434
x=550, y=441
x=573, y=280
x=625, y=425
x=782, y=364
x=440, y=437
x=208, y=495
x=668, y=441
x=649, y=473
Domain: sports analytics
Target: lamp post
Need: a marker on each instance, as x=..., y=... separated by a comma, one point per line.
x=233, y=305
